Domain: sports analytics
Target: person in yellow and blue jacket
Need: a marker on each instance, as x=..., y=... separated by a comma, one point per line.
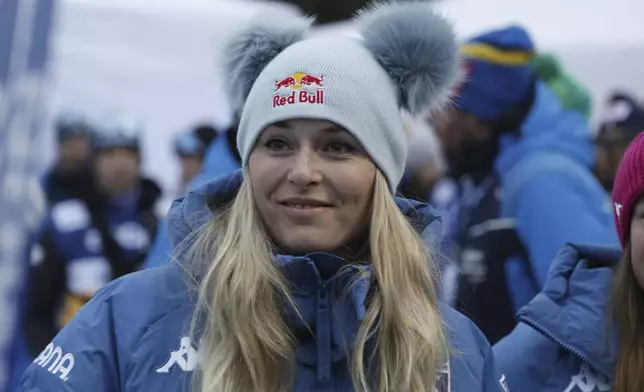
x=520, y=133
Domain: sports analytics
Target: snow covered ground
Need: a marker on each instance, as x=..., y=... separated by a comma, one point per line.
x=157, y=59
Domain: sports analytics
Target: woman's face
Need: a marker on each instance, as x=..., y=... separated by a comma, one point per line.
x=312, y=183
x=637, y=242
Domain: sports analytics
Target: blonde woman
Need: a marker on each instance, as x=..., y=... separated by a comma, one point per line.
x=301, y=272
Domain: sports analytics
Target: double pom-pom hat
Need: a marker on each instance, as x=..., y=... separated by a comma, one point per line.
x=406, y=59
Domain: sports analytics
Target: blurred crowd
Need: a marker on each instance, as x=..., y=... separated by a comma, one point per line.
x=514, y=166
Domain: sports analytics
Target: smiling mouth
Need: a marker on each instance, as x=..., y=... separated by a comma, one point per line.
x=304, y=204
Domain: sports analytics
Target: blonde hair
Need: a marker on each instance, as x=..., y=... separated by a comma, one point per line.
x=246, y=344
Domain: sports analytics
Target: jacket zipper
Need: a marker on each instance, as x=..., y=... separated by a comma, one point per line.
x=563, y=345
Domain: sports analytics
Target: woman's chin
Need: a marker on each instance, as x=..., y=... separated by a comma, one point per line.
x=302, y=243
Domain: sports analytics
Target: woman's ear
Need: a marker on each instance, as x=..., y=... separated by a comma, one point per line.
x=417, y=48
x=248, y=51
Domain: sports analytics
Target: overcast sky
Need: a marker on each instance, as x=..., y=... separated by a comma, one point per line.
x=553, y=21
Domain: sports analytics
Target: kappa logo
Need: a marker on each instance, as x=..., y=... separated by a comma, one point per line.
x=299, y=88
x=186, y=358
x=55, y=361
x=588, y=381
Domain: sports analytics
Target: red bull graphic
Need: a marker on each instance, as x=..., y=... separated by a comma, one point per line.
x=287, y=82
x=300, y=88
x=309, y=80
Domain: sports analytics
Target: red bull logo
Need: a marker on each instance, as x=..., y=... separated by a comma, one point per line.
x=299, y=88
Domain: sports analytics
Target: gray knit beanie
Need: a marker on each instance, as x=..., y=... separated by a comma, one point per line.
x=407, y=59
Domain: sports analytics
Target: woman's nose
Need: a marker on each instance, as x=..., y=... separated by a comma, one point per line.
x=304, y=170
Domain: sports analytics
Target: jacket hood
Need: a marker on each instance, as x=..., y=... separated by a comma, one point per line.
x=571, y=309
x=549, y=127
x=190, y=212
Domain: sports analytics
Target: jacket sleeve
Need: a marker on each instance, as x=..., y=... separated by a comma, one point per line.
x=46, y=287
x=526, y=358
x=553, y=209
x=82, y=357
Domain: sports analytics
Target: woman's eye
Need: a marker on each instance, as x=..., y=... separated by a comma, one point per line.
x=276, y=145
x=339, y=148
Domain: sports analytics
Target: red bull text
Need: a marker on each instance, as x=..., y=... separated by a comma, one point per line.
x=299, y=88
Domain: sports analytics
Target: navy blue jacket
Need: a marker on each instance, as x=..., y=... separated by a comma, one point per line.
x=488, y=244
x=82, y=245
x=132, y=335
x=563, y=342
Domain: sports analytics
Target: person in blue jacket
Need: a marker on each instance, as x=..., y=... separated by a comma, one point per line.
x=301, y=272
x=85, y=242
x=523, y=137
x=583, y=332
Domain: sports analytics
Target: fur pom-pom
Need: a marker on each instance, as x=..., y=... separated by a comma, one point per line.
x=418, y=49
x=248, y=51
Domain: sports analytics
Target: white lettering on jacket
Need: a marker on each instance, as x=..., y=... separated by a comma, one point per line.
x=55, y=361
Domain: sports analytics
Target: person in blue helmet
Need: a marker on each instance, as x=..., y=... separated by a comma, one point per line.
x=518, y=137
x=69, y=175
x=86, y=241
x=583, y=332
x=302, y=271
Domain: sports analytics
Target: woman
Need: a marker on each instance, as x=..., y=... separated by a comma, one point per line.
x=307, y=274
x=584, y=331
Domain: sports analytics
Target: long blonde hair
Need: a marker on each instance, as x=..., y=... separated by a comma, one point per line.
x=246, y=344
